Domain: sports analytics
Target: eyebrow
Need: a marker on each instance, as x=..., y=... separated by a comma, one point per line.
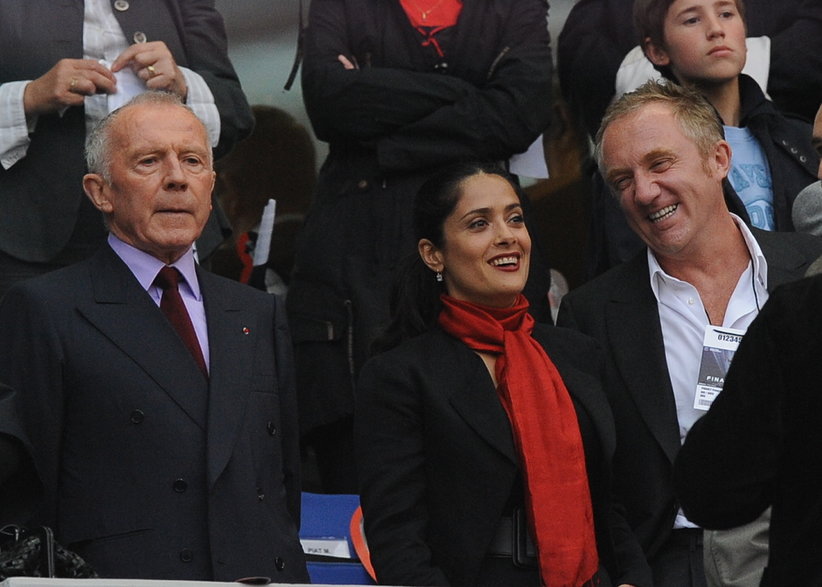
x=694, y=7
x=508, y=208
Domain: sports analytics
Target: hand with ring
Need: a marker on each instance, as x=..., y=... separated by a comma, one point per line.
x=66, y=84
x=153, y=63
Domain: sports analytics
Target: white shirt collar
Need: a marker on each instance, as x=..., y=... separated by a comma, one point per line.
x=760, y=265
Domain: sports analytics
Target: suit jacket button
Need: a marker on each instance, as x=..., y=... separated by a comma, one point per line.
x=180, y=486
x=362, y=184
x=139, y=37
x=279, y=563
x=121, y=5
x=137, y=417
x=272, y=429
x=186, y=555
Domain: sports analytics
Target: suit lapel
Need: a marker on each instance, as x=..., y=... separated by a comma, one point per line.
x=585, y=390
x=785, y=262
x=476, y=401
x=232, y=336
x=125, y=314
x=635, y=335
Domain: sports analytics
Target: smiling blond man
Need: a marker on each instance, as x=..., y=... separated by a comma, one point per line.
x=702, y=277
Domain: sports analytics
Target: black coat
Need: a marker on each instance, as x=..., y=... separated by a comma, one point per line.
x=438, y=466
x=759, y=444
x=390, y=124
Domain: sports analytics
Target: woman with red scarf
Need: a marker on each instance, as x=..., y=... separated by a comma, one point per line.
x=483, y=439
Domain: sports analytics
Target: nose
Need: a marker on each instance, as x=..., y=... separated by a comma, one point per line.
x=505, y=235
x=646, y=189
x=175, y=176
x=714, y=27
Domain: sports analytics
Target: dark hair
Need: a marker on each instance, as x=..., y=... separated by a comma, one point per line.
x=415, y=297
x=649, y=22
x=276, y=161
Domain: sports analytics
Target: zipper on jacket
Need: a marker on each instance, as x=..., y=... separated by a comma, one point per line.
x=496, y=61
x=349, y=308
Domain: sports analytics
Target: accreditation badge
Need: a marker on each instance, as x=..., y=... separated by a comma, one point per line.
x=718, y=348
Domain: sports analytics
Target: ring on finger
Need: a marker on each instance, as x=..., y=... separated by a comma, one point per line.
x=152, y=71
x=73, y=84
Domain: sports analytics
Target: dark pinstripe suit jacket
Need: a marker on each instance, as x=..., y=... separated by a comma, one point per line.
x=149, y=470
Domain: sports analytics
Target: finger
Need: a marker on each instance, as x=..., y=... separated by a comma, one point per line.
x=103, y=84
x=171, y=83
x=75, y=85
x=87, y=82
x=124, y=58
x=345, y=62
x=161, y=82
x=154, y=72
x=159, y=51
x=95, y=68
x=76, y=89
x=143, y=54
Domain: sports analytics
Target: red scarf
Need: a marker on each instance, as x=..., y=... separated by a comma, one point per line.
x=546, y=433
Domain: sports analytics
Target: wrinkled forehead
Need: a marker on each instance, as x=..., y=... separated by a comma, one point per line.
x=144, y=125
x=160, y=118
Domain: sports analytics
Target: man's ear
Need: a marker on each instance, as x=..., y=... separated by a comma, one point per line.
x=655, y=53
x=722, y=158
x=430, y=255
x=96, y=189
x=213, y=185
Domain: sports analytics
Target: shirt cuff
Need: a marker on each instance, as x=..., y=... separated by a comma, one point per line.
x=14, y=129
x=201, y=101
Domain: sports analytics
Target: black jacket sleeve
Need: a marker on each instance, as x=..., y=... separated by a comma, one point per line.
x=206, y=49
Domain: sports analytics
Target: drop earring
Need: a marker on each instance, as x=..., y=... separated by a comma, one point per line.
x=439, y=276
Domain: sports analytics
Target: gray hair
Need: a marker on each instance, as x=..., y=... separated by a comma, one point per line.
x=98, y=142
x=695, y=115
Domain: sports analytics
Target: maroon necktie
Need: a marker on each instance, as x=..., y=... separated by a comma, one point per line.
x=174, y=309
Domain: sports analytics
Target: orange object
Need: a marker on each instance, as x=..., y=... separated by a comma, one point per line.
x=357, y=533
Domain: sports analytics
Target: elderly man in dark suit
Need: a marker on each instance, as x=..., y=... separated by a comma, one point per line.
x=161, y=420
x=704, y=275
